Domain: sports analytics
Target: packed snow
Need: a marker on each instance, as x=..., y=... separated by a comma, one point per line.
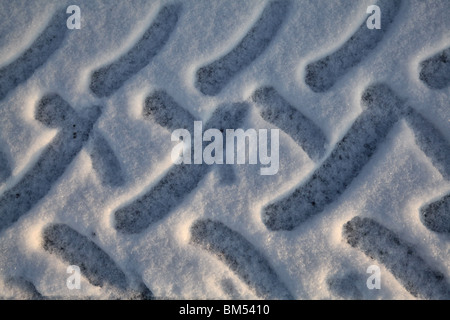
x=87, y=179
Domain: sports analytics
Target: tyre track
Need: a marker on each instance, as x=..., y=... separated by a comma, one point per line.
x=240, y=256
x=335, y=174
x=5, y=169
x=322, y=74
x=274, y=109
x=436, y=215
x=73, y=133
x=212, y=78
x=346, y=286
x=431, y=141
x=27, y=289
x=96, y=265
x=399, y=257
x=34, y=57
x=435, y=71
x=179, y=182
x=105, y=162
x=162, y=109
x=108, y=79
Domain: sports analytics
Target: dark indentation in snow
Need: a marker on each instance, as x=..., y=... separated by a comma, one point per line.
x=321, y=75
x=431, y=141
x=78, y=250
x=399, y=257
x=166, y=195
x=105, y=162
x=95, y=265
x=240, y=256
x=435, y=71
x=165, y=111
x=436, y=216
x=26, y=288
x=34, y=57
x=350, y=155
x=54, y=112
x=347, y=286
x=5, y=169
x=162, y=109
x=179, y=181
x=230, y=289
x=106, y=80
x=227, y=174
x=211, y=79
x=274, y=109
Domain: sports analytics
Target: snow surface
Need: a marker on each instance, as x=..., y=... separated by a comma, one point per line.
x=214, y=236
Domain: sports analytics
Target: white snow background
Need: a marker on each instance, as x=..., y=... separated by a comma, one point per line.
x=390, y=189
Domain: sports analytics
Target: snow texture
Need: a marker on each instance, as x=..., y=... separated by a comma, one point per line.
x=398, y=256
x=321, y=75
x=274, y=109
x=105, y=162
x=436, y=216
x=179, y=181
x=86, y=176
x=106, y=80
x=431, y=141
x=240, y=256
x=39, y=52
x=74, y=131
x=95, y=264
x=5, y=169
x=345, y=162
x=162, y=109
x=436, y=70
x=211, y=79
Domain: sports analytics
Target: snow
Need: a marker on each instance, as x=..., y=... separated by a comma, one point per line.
x=114, y=161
